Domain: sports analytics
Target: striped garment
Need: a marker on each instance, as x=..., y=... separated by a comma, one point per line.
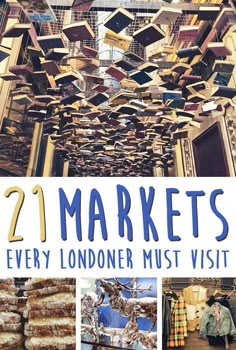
x=178, y=330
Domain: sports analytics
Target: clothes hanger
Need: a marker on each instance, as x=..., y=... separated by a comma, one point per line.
x=218, y=293
x=234, y=290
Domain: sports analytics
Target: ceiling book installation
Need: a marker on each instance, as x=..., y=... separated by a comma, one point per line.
x=93, y=90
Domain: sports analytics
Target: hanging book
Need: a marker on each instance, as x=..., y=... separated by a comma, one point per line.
x=78, y=31
x=98, y=99
x=82, y=5
x=100, y=88
x=172, y=95
x=89, y=51
x=51, y=41
x=118, y=20
x=222, y=78
x=9, y=76
x=188, y=32
x=160, y=52
x=198, y=86
x=35, y=51
x=186, y=114
x=149, y=34
x=141, y=77
x=56, y=54
x=166, y=15
x=208, y=13
x=89, y=78
x=122, y=96
x=21, y=69
x=224, y=91
x=4, y=52
x=189, y=52
x=54, y=103
x=133, y=56
x=53, y=91
x=114, y=115
x=176, y=103
x=34, y=113
x=70, y=88
x=196, y=97
x=190, y=78
x=84, y=63
x=121, y=41
x=92, y=114
x=22, y=99
x=209, y=106
x=127, y=66
x=140, y=89
x=166, y=75
x=190, y=106
x=65, y=78
x=199, y=66
x=127, y=109
x=148, y=67
x=180, y=135
x=116, y=73
x=22, y=90
x=71, y=99
x=138, y=103
x=223, y=66
x=44, y=98
x=219, y=49
x=40, y=77
x=38, y=11
x=224, y=18
x=180, y=67
x=16, y=30
x=51, y=67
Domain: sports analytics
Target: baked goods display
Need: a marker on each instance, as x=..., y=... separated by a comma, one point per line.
x=50, y=314
x=11, y=334
x=43, y=319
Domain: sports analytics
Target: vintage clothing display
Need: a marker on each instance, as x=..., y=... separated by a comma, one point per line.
x=197, y=309
x=175, y=310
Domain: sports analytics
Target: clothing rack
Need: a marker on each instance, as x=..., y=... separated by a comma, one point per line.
x=215, y=284
x=180, y=283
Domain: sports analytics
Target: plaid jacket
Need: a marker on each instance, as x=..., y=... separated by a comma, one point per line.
x=178, y=330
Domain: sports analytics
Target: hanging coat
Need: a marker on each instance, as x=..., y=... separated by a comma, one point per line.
x=216, y=321
x=166, y=320
x=195, y=297
x=178, y=330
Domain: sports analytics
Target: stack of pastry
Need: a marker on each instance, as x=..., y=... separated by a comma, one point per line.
x=11, y=335
x=50, y=313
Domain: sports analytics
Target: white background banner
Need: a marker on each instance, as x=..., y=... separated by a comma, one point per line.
x=145, y=226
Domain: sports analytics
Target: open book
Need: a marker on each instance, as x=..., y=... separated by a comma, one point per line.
x=118, y=20
x=78, y=31
x=4, y=52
